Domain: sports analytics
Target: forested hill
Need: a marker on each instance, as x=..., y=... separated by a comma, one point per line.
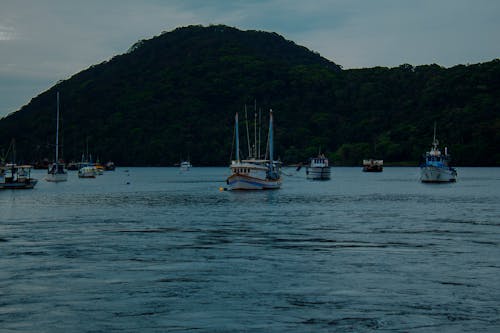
x=174, y=96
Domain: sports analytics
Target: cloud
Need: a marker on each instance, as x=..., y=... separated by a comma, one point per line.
x=44, y=41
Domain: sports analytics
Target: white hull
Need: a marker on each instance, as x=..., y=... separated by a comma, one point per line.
x=432, y=174
x=242, y=182
x=318, y=173
x=56, y=177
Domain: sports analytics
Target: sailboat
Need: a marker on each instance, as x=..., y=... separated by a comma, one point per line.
x=435, y=169
x=255, y=173
x=56, y=172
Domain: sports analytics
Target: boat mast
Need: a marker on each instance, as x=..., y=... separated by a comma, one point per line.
x=271, y=136
x=237, y=137
x=260, y=123
x=248, y=133
x=57, y=130
x=255, y=129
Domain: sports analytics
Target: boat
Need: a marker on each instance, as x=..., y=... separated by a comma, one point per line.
x=372, y=165
x=185, y=165
x=87, y=171
x=16, y=177
x=255, y=173
x=435, y=168
x=110, y=166
x=318, y=168
x=56, y=172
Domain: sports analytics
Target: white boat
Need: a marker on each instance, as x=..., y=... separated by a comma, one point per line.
x=185, y=165
x=436, y=168
x=87, y=171
x=255, y=174
x=15, y=177
x=318, y=168
x=56, y=172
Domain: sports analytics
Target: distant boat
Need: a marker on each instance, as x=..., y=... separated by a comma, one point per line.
x=318, y=168
x=110, y=166
x=372, y=165
x=56, y=172
x=185, y=165
x=254, y=173
x=436, y=167
x=16, y=177
x=87, y=171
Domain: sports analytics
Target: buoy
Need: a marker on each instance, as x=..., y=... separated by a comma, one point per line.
x=222, y=189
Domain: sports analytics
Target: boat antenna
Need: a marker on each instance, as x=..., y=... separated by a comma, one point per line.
x=248, y=133
x=435, y=141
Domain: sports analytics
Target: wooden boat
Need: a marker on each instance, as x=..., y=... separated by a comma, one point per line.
x=255, y=174
x=16, y=177
x=372, y=165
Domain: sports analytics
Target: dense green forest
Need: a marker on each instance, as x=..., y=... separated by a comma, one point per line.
x=174, y=96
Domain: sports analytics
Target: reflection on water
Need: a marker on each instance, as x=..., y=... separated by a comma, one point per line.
x=156, y=250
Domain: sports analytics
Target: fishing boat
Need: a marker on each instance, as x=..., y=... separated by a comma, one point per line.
x=372, y=165
x=16, y=177
x=255, y=173
x=185, y=166
x=56, y=172
x=318, y=168
x=435, y=168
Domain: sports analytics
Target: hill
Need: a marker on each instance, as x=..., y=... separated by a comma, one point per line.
x=176, y=94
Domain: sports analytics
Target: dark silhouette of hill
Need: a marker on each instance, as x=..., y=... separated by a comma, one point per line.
x=175, y=96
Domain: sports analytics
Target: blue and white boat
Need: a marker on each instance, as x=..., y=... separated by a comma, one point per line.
x=436, y=167
x=255, y=173
x=318, y=168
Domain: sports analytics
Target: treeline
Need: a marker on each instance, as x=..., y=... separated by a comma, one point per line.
x=174, y=96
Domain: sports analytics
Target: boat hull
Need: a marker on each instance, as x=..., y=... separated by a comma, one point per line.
x=56, y=177
x=432, y=174
x=242, y=182
x=18, y=185
x=318, y=173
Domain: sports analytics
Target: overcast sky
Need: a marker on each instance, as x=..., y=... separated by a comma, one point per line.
x=44, y=41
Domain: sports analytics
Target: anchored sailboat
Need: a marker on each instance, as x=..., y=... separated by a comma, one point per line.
x=56, y=172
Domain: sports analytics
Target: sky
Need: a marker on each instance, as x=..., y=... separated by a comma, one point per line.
x=44, y=41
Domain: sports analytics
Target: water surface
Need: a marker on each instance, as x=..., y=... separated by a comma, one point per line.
x=157, y=250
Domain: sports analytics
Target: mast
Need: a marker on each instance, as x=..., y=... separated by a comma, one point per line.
x=260, y=123
x=248, y=133
x=255, y=129
x=271, y=136
x=57, y=130
x=237, y=137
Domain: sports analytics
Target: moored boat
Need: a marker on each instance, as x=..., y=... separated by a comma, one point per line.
x=185, y=166
x=372, y=165
x=56, y=172
x=318, y=168
x=435, y=168
x=16, y=177
x=254, y=173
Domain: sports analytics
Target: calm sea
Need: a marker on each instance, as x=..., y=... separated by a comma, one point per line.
x=157, y=250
